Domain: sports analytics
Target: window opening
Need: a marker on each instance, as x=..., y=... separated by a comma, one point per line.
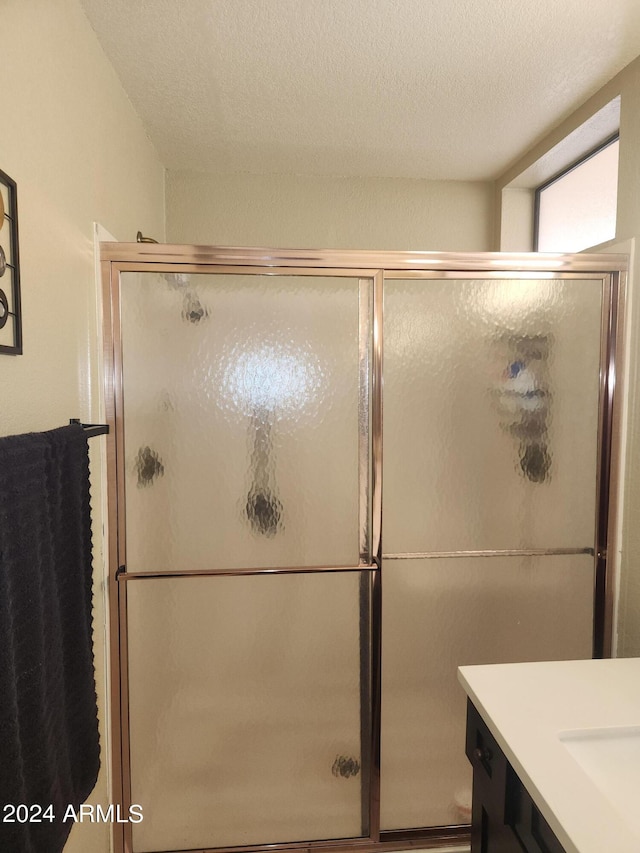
x=576, y=209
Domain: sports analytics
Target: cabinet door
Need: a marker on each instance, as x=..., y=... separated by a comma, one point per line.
x=504, y=817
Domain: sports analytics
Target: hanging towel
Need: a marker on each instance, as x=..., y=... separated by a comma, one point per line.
x=49, y=747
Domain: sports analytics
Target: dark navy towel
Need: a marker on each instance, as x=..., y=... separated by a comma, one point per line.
x=49, y=747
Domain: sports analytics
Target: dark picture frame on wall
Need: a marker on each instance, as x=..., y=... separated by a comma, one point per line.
x=10, y=314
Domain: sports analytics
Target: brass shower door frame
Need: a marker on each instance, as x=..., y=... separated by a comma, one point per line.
x=117, y=258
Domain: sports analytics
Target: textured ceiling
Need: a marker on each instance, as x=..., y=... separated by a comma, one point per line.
x=439, y=89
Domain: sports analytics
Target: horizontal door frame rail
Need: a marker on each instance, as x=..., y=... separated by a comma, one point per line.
x=224, y=269
x=117, y=258
x=171, y=253
x=440, y=836
x=222, y=573
x=515, y=552
x=492, y=275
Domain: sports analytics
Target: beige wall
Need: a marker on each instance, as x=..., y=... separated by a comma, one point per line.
x=303, y=211
x=626, y=85
x=75, y=147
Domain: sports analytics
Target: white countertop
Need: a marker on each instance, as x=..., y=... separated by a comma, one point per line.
x=527, y=706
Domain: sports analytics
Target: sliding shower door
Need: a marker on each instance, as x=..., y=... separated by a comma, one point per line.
x=245, y=467
x=336, y=478
x=491, y=425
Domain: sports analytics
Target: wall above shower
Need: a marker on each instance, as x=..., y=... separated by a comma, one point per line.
x=328, y=212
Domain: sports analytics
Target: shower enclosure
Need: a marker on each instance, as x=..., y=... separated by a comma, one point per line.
x=296, y=578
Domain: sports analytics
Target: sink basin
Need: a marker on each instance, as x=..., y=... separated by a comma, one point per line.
x=610, y=757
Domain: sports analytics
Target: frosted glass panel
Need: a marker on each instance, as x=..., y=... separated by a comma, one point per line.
x=245, y=709
x=443, y=613
x=490, y=414
x=241, y=420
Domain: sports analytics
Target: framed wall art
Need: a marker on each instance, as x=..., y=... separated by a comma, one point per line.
x=10, y=317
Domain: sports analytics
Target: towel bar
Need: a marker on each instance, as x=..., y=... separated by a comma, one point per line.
x=91, y=429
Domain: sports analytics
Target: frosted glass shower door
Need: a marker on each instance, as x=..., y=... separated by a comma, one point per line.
x=245, y=709
x=242, y=411
x=246, y=480
x=491, y=413
x=491, y=418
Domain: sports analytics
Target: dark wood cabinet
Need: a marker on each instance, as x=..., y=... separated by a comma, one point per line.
x=504, y=817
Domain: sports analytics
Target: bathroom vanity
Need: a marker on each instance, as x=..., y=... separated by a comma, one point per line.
x=555, y=750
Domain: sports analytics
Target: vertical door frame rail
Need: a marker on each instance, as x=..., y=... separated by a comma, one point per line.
x=139, y=257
